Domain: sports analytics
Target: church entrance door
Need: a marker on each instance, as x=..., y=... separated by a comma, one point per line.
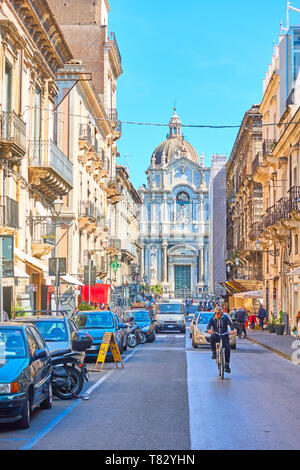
x=182, y=280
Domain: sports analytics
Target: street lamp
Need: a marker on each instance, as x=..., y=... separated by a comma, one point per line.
x=271, y=252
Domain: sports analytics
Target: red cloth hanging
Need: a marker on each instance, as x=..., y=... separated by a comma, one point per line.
x=98, y=293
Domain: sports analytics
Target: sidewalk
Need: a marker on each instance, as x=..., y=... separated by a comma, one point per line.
x=279, y=344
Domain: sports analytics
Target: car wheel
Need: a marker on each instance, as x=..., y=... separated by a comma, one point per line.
x=233, y=346
x=47, y=404
x=151, y=337
x=194, y=345
x=24, y=422
x=121, y=349
x=125, y=346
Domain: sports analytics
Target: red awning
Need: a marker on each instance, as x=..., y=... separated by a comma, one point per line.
x=98, y=293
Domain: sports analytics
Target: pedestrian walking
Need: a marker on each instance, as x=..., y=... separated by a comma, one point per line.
x=233, y=314
x=298, y=323
x=262, y=314
x=252, y=321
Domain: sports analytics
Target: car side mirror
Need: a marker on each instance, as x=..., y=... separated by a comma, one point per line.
x=40, y=354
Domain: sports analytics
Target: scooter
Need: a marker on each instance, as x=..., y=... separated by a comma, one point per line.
x=132, y=338
x=68, y=373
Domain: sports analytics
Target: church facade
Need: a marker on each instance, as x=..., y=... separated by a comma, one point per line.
x=174, y=223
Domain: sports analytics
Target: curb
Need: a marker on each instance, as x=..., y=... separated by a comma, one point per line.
x=276, y=351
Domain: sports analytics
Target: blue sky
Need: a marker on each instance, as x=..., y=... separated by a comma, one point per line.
x=207, y=57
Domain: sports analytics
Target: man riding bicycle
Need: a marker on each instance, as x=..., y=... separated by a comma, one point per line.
x=219, y=323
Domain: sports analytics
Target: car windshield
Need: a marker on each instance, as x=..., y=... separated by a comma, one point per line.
x=169, y=308
x=94, y=320
x=193, y=308
x=12, y=345
x=52, y=330
x=141, y=316
x=203, y=318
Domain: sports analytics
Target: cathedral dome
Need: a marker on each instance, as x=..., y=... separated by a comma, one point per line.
x=174, y=146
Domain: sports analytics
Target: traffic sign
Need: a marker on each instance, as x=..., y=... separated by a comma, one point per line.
x=57, y=266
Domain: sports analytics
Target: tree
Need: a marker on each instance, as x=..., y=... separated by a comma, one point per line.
x=157, y=291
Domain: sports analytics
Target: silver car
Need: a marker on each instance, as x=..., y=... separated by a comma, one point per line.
x=200, y=335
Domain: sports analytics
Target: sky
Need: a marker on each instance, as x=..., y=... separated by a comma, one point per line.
x=208, y=58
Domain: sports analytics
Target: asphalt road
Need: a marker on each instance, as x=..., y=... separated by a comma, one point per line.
x=169, y=396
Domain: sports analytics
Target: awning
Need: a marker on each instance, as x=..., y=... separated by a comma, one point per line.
x=250, y=294
x=36, y=263
x=71, y=280
x=233, y=287
x=20, y=273
x=294, y=272
x=98, y=293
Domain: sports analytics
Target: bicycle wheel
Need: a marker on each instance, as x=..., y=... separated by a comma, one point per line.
x=222, y=363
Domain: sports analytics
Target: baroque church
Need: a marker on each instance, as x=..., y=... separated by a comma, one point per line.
x=174, y=224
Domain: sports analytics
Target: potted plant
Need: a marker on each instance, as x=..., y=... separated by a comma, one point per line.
x=271, y=326
x=279, y=328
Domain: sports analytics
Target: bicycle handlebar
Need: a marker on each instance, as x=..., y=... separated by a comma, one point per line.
x=221, y=334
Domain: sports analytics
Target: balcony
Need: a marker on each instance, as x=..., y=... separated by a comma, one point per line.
x=112, y=114
x=128, y=250
x=268, y=147
x=270, y=218
x=255, y=231
x=259, y=169
x=114, y=53
x=9, y=215
x=87, y=218
x=294, y=197
x=43, y=239
x=12, y=137
x=114, y=246
x=50, y=171
x=114, y=190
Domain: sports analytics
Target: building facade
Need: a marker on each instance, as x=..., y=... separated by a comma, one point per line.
x=217, y=222
x=278, y=172
x=174, y=225
x=34, y=171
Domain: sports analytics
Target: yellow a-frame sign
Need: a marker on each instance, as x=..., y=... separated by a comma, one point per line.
x=109, y=340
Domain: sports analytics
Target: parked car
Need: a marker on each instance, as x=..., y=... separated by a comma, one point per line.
x=98, y=322
x=25, y=373
x=193, y=322
x=200, y=336
x=190, y=311
x=145, y=323
x=56, y=330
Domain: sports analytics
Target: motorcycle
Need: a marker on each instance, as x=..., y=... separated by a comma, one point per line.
x=68, y=373
x=132, y=340
x=239, y=326
x=135, y=335
x=68, y=369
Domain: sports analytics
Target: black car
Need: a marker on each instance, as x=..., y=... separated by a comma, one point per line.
x=25, y=373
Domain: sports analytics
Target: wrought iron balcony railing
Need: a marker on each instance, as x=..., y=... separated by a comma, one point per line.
x=268, y=147
x=257, y=162
x=44, y=153
x=44, y=234
x=9, y=212
x=87, y=209
x=294, y=197
x=269, y=218
x=256, y=230
x=85, y=133
x=13, y=132
x=112, y=114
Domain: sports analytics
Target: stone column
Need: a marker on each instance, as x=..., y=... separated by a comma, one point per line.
x=164, y=262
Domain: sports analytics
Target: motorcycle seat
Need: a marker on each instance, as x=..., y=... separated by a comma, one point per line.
x=60, y=352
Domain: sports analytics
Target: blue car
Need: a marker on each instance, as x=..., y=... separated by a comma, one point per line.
x=98, y=322
x=25, y=373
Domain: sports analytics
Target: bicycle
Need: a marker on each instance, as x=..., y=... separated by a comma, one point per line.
x=220, y=360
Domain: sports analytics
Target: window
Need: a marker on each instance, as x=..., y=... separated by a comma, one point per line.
x=38, y=338
x=32, y=344
x=182, y=198
x=296, y=244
